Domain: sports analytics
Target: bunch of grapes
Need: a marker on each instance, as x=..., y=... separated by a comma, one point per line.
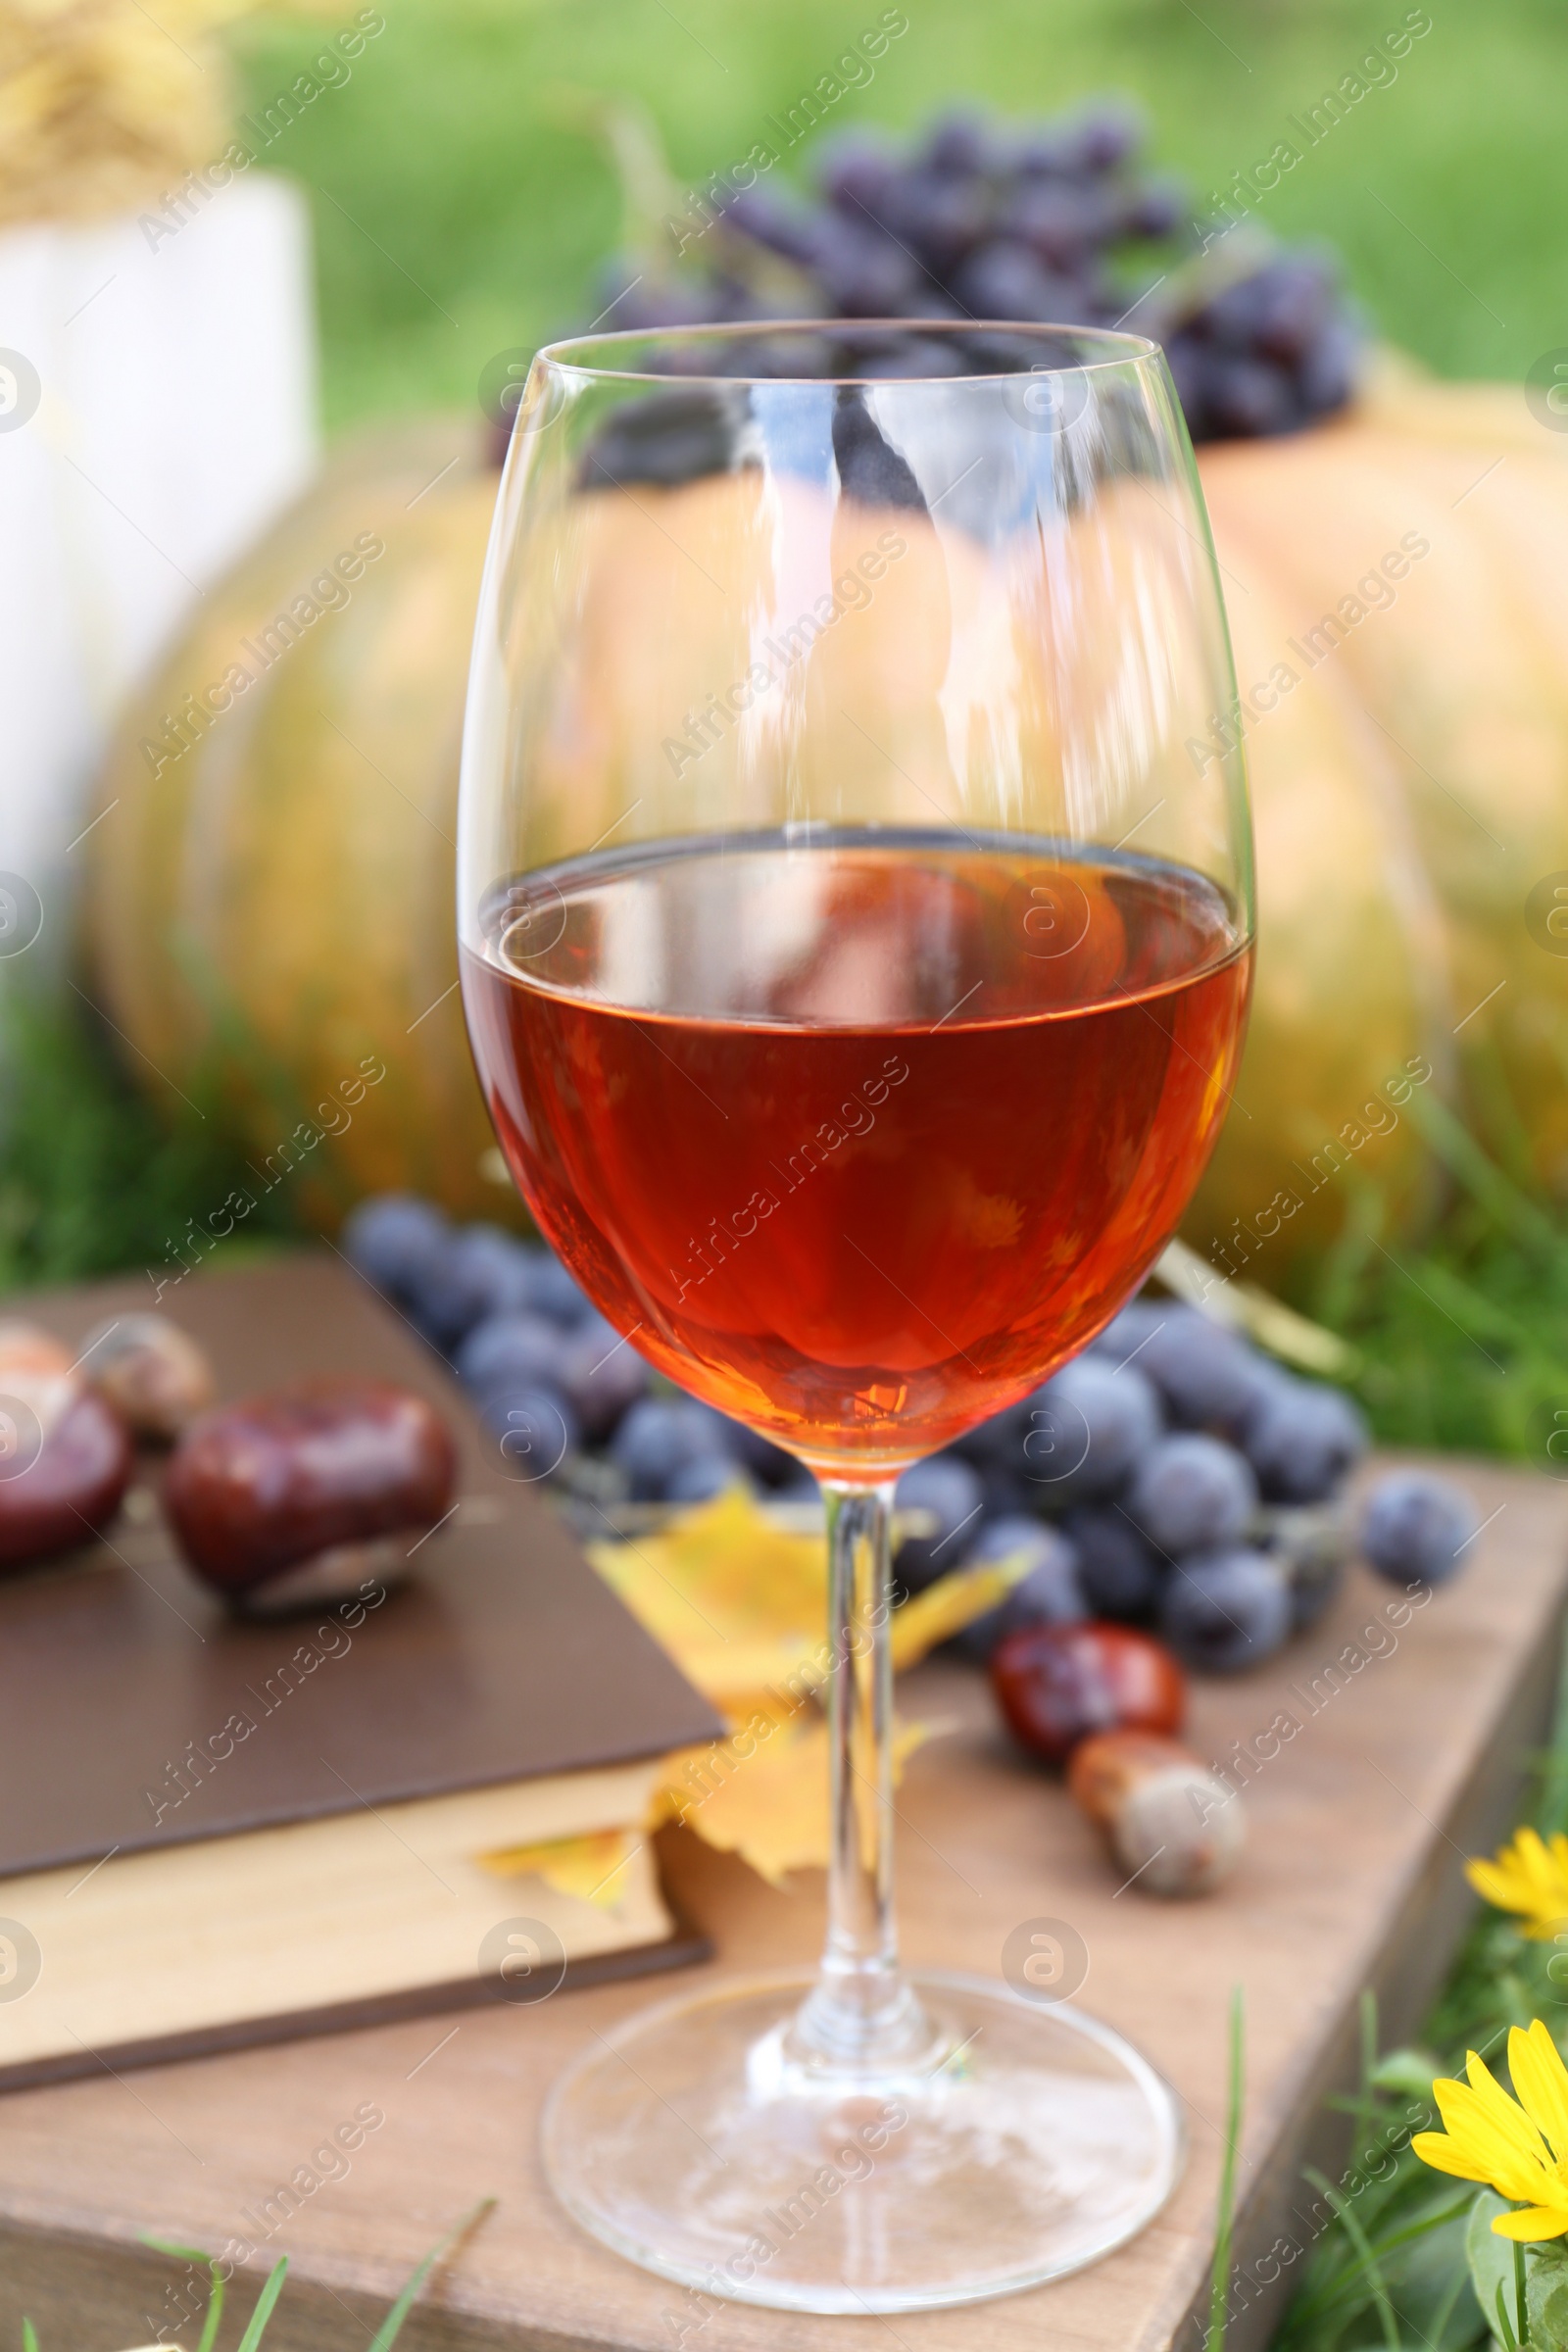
x=1170, y=1477
x=1057, y=221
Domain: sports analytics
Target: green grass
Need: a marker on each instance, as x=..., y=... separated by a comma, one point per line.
x=92, y=1179
x=462, y=207
x=1390, y=2265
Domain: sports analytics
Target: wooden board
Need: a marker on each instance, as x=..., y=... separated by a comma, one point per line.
x=1401, y=1764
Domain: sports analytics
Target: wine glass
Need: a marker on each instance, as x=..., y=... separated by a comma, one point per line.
x=856, y=954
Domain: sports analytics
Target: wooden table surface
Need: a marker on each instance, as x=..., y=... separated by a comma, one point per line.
x=1404, y=1761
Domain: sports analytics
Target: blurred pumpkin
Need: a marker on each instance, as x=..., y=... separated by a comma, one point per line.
x=273, y=905
x=1397, y=588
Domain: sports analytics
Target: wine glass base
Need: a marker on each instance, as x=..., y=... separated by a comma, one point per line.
x=1029, y=2140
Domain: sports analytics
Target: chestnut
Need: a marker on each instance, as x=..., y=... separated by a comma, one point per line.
x=1173, y=1824
x=285, y=1491
x=62, y=1476
x=153, y=1374
x=1057, y=1683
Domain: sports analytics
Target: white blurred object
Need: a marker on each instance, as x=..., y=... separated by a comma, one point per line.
x=176, y=416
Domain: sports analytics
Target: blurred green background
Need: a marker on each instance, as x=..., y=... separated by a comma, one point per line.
x=465, y=204
x=460, y=206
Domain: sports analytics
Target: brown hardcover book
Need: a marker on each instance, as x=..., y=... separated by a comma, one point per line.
x=214, y=1832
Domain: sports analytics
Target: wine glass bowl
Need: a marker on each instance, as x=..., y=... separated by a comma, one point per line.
x=855, y=958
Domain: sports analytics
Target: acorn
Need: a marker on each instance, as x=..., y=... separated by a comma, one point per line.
x=1172, y=1824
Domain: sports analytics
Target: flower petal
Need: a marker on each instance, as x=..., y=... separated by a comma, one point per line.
x=1532, y=2224
x=1541, y=2085
x=1447, y=2155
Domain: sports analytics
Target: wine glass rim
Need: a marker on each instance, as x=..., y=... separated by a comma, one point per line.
x=1114, y=348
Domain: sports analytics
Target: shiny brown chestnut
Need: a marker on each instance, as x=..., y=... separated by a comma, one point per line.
x=257, y=1491
x=1055, y=1683
x=61, y=1477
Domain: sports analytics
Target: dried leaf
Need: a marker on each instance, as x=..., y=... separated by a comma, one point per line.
x=588, y=1867
x=740, y=1603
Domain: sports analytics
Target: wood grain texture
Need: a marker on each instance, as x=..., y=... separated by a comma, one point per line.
x=1359, y=1823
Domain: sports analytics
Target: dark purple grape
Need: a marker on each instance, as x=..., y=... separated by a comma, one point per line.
x=1190, y=1493
x=481, y=1271
x=783, y=228
x=534, y=1428
x=757, y=1454
x=958, y=142
x=1007, y=1493
x=1325, y=376
x=522, y=1350
x=1045, y=150
x=1083, y=1434
x=863, y=274
x=667, y=438
x=993, y=351
x=1154, y=207
x=853, y=172
x=1223, y=1612
x=1416, y=1529
x=1105, y=134
x=1295, y=298
x=395, y=1240
x=659, y=1437
x=1126, y=1335
x=941, y=217
x=1250, y=397
x=1119, y=1573
x=1060, y=222
x=949, y=1491
x=1207, y=1376
x=703, y=1477
x=554, y=1293
x=1302, y=1438
x=871, y=468
x=1004, y=279
x=1192, y=366
x=601, y=1373
x=912, y=357
x=1050, y=1594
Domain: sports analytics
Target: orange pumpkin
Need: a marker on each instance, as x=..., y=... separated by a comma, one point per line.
x=280, y=892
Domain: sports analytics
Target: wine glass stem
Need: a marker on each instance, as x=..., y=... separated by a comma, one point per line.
x=861, y=2014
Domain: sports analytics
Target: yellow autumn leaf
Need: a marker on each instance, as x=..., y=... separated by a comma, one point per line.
x=739, y=1601
x=588, y=1866
x=770, y=1806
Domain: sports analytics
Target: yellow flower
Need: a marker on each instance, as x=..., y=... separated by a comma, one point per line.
x=1527, y=1877
x=1517, y=2147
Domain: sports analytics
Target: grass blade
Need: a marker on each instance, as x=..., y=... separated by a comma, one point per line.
x=1506, y=2333
x=1351, y=2225
x=387, y=2334
x=29, y=2336
x=1219, y=2285
x=212, y=2317
x=264, y=2306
